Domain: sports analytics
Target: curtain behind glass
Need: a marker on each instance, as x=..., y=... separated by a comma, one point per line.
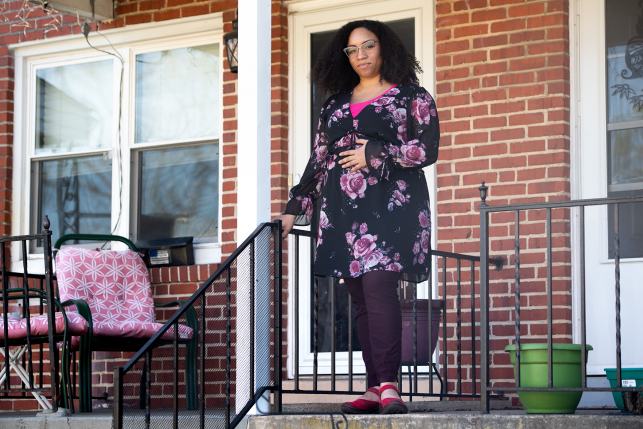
x=177, y=94
x=179, y=192
x=74, y=107
x=76, y=194
x=624, y=45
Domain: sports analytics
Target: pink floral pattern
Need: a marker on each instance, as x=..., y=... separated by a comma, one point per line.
x=116, y=286
x=353, y=184
x=324, y=223
x=399, y=197
x=368, y=254
x=76, y=325
x=376, y=218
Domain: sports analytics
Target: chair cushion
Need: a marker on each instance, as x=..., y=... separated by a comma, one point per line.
x=140, y=330
x=116, y=286
x=76, y=325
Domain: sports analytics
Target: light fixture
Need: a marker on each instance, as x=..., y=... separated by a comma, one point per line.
x=231, y=40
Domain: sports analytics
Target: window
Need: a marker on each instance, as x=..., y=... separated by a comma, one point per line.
x=154, y=176
x=73, y=113
x=624, y=36
x=177, y=99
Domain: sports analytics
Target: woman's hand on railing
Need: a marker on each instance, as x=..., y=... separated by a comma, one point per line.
x=287, y=222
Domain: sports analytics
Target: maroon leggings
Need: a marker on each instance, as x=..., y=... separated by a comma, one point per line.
x=379, y=323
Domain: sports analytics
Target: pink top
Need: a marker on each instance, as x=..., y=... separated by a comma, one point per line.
x=357, y=107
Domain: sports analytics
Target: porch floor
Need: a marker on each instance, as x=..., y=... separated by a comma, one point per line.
x=423, y=415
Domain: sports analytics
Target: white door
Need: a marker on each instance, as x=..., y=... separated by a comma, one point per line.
x=610, y=146
x=311, y=25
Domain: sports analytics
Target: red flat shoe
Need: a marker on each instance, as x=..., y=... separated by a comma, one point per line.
x=392, y=405
x=362, y=406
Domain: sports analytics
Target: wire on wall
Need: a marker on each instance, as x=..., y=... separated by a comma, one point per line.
x=119, y=152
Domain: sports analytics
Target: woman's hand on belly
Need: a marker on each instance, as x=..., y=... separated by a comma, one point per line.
x=355, y=159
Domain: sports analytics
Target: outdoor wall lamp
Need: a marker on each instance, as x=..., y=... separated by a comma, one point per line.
x=231, y=40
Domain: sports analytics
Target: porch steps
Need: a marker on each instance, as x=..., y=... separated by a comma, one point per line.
x=30, y=420
x=506, y=419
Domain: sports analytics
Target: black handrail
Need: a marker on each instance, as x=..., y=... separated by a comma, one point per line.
x=484, y=293
x=225, y=272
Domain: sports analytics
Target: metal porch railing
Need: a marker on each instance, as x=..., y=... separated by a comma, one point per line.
x=235, y=348
x=409, y=291
x=485, y=210
x=28, y=371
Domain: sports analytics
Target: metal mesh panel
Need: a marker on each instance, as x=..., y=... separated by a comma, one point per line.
x=210, y=379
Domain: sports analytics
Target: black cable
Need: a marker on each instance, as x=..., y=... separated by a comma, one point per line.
x=119, y=153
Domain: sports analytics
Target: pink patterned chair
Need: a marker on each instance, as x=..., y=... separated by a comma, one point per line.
x=37, y=329
x=112, y=290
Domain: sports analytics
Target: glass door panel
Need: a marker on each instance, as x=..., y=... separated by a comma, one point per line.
x=624, y=44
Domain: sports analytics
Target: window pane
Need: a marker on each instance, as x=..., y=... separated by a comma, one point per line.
x=177, y=94
x=624, y=61
x=76, y=194
x=178, y=193
x=624, y=42
x=74, y=107
x=625, y=152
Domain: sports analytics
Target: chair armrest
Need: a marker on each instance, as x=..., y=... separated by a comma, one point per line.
x=190, y=314
x=83, y=310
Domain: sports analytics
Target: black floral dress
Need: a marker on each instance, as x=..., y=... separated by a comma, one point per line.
x=377, y=218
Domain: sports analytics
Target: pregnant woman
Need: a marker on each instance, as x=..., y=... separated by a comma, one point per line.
x=375, y=134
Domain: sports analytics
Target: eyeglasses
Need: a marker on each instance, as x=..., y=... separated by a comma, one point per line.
x=366, y=47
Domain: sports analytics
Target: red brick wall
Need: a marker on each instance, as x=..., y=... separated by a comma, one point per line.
x=168, y=283
x=503, y=98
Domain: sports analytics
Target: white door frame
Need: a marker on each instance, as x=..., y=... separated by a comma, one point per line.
x=305, y=18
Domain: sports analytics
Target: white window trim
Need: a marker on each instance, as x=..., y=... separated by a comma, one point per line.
x=128, y=41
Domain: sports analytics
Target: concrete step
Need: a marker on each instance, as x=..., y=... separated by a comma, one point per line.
x=505, y=419
x=31, y=420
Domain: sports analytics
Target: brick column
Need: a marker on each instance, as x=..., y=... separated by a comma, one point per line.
x=279, y=141
x=503, y=97
x=228, y=151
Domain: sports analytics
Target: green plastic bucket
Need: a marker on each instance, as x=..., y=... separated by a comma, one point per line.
x=635, y=374
x=566, y=368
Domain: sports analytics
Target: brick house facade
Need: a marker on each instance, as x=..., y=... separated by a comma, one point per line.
x=503, y=95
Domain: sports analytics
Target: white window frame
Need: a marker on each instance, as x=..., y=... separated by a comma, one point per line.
x=129, y=42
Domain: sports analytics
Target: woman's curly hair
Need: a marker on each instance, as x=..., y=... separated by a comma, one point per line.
x=333, y=72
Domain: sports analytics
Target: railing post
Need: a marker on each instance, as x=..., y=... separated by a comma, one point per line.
x=583, y=331
x=617, y=287
x=459, y=327
x=550, y=374
x=517, y=291
x=278, y=317
x=51, y=315
x=118, y=397
x=296, y=312
x=484, y=302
